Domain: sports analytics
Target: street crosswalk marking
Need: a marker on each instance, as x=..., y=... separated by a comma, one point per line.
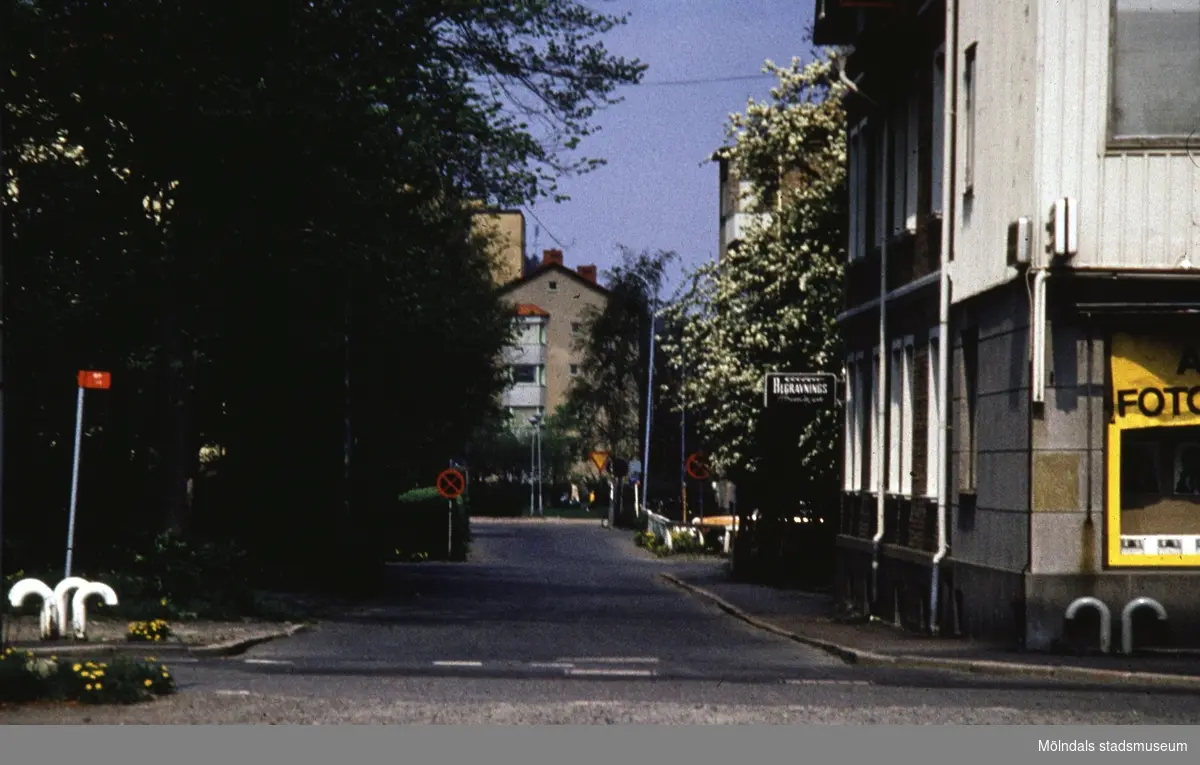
x=267, y=661
x=575, y=671
x=458, y=664
x=612, y=660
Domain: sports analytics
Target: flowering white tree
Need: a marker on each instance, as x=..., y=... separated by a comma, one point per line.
x=770, y=303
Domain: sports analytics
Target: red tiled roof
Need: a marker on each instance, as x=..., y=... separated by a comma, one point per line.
x=529, y=309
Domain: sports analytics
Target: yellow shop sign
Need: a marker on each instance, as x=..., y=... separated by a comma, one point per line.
x=1156, y=382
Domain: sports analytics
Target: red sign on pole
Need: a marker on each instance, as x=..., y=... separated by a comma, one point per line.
x=696, y=467
x=95, y=380
x=450, y=483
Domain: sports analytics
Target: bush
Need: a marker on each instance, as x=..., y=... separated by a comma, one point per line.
x=25, y=678
x=417, y=528
x=149, y=632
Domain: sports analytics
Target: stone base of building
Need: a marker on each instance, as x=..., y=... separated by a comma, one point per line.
x=1013, y=607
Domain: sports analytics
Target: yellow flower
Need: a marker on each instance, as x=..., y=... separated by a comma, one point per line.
x=149, y=683
x=77, y=667
x=88, y=686
x=163, y=601
x=158, y=637
x=165, y=674
x=99, y=686
x=98, y=673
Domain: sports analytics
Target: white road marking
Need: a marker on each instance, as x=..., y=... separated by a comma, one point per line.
x=232, y=693
x=611, y=672
x=458, y=664
x=612, y=660
x=827, y=682
x=267, y=661
x=551, y=664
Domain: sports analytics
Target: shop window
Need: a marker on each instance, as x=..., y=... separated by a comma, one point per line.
x=1160, y=485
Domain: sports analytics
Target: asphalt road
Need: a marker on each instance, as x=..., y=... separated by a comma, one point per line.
x=568, y=623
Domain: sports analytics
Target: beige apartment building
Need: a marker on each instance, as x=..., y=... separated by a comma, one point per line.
x=552, y=304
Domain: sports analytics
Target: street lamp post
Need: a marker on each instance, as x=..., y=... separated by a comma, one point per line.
x=649, y=391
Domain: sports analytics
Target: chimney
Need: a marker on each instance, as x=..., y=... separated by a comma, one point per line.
x=552, y=256
x=588, y=272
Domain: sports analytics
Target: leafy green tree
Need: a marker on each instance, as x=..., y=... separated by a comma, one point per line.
x=235, y=211
x=770, y=304
x=606, y=401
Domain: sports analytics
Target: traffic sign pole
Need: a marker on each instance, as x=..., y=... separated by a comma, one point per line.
x=85, y=379
x=74, y=480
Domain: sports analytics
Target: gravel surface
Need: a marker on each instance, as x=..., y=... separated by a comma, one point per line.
x=282, y=710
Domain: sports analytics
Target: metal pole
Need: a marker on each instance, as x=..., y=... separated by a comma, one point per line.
x=74, y=481
x=683, y=453
x=532, y=459
x=541, y=498
x=649, y=405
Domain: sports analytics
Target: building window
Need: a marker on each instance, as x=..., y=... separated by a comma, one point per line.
x=552, y=286
x=1155, y=71
x=574, y=370
x=912, y=158
x=899, y=163
x=969, y=109
x=576, y=327
x=879, y=219
x=1154, y=451
x=937, y=128
x=854, y=424
x=900, y=418
x=532, y=332
x=933, y=461
x=525, y=374
x=874, y=428
x=970, y=401
x=857, y=177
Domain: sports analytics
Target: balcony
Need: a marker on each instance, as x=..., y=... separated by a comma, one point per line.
x=525, y=395
x=525, y=354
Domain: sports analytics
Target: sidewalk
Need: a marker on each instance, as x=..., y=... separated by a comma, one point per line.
x=808, y=619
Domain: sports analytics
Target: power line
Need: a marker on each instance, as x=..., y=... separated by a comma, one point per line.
x=549, y=233
x=704, y=81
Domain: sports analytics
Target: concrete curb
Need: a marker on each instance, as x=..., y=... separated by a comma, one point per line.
x=228, y=648
x=973, y=666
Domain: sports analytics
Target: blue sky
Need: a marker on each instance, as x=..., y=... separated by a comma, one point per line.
x=654, y=193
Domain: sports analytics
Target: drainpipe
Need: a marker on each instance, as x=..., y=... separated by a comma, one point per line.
x=945, y=346
x=1038, y=393
x=881, y=400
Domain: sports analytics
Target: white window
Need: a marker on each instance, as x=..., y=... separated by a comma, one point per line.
x=906, y=421
x=936, y=145
x=532, y=332
x=899, y=164
x=857, y=180
x=912, y=157
x=874, y=428
x=854, y=424
x=933, y=460
x=1155, y=71
x=881, y=183
x=969, y=107
x=900, y=418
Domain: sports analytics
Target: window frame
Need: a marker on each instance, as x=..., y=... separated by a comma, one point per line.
x=933, y=455
x=937, y=135
x=1114, y=144
x=970, y=90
